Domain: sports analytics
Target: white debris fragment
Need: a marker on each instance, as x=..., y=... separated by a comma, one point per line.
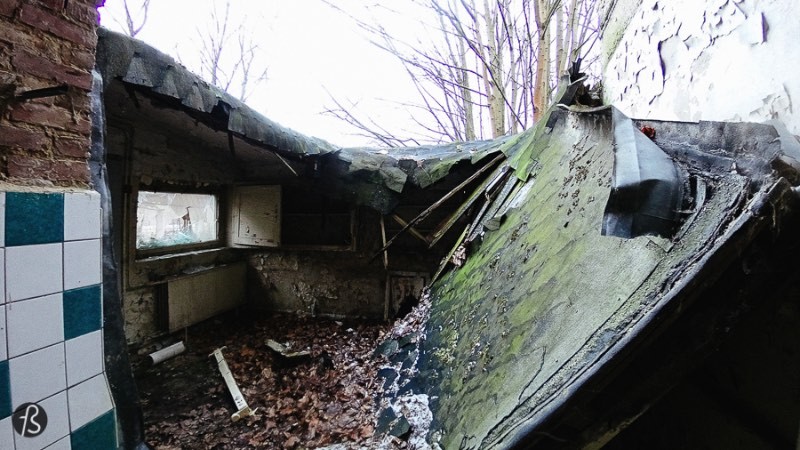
x=418, y=414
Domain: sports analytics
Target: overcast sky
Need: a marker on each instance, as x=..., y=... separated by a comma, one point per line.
x=308, y=48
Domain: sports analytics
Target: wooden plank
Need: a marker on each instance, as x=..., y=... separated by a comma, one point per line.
x=411, y=230
x=482, y=189
x=439, y=202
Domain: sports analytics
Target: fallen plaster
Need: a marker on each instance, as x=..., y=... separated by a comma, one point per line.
x=401, y=403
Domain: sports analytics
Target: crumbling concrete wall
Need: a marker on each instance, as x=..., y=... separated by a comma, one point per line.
x=140, y=154
x=43, y=44
x=723, y=60
x=315, y=283
x=302, y=279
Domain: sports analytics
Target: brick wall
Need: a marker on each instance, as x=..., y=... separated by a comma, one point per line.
x=46, y=43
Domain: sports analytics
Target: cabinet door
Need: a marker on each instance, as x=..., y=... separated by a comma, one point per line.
x=256, y=216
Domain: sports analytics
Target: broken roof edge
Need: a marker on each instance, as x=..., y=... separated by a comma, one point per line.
x=154, y=74
x=452, y=332
x=141, y=66
x=741, y=232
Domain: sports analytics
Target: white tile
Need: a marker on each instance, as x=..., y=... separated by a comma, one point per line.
x=87, y=401
x=33, y=271
x=2, y=275
x=35, y=323
x=57, y=424
x=82, y=264
x=6, y=432
x=37, y=375
x=62, y=444
x=3, y=343
x=84, y=357
x=2, y=219
x=82, y=216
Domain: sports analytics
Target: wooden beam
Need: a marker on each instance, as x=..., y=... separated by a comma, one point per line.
x=480, y=191
x=411, y=230
x=439, y=202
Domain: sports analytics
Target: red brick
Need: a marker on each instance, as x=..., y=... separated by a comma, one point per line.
x=22, y=37
x=15, y=35
x=78, y=58
x=56, y=5
x=75, y=101
x=7, y=7
x=72, y=171
x=45, y=68
x=71, y=147
x=50, y=23
x=51, y=116
x=23, y=138
x=85, y=13
x=25, y=167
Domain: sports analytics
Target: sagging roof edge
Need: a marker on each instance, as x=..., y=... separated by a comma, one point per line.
x=157, y=75
x=754, y=220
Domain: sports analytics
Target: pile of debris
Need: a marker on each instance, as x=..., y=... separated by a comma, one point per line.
x=311, y=383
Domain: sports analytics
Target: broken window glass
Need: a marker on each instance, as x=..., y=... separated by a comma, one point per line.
x=166, y=219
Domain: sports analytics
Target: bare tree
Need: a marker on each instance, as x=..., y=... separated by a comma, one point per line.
x=486, y=68
x=228, y=54
x=577, y=32
x=135, y=19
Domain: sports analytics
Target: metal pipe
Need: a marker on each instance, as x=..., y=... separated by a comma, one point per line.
x=167, y=353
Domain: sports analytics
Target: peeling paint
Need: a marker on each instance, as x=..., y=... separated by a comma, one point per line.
x=720, y=60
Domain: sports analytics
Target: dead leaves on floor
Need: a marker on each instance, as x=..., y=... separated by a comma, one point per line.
x=306, y=405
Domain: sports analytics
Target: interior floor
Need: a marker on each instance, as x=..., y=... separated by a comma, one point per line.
x=325, y=398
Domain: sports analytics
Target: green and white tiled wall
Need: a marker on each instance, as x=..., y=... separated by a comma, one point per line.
x=51, y=341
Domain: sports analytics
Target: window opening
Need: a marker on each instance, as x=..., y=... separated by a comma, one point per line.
x=168, y=219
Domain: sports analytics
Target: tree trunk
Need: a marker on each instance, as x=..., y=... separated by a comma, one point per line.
x=542, y=78
x=497, y=106
x=466, y=96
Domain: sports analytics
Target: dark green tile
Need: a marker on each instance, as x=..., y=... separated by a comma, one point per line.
x=99, y=434
x=34, y=218
x=5, y=391
x=82, y=311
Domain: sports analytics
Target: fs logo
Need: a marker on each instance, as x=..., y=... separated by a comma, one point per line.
x=29, y=420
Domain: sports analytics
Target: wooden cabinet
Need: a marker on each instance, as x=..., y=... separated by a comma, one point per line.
x=255, y=216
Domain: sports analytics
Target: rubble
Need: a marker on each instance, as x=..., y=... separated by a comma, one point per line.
x=329, y=400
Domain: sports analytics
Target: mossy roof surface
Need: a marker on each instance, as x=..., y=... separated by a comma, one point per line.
x=515, y=330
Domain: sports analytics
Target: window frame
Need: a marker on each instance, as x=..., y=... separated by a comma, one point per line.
x=218, y=243
x=286, y=212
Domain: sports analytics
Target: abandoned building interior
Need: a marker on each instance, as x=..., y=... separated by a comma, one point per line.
x=594, y=281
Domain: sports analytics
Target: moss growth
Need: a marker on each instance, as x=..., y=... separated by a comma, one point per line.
x=543, y=294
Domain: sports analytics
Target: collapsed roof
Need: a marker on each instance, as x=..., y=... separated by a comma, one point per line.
x=592, y=240
x=604, y=240
x=369, y=176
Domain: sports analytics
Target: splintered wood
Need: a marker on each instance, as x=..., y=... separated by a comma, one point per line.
x=238, y=399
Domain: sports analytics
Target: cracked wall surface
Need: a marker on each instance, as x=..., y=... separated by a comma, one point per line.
x=722, y=60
